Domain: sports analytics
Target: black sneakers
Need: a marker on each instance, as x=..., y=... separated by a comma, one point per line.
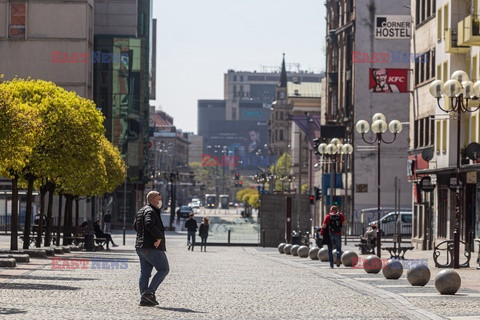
x=148, y=299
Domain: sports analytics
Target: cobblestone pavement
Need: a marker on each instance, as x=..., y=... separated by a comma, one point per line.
x=225, y=283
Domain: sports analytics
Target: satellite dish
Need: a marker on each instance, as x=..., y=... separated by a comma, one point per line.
x=473, y=151
x=427, y=154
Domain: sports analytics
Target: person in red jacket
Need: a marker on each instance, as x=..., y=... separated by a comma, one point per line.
x=332, y=224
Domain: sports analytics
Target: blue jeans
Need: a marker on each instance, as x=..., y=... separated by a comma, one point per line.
x=191, y=238
x=150, y=258
x=335, y=240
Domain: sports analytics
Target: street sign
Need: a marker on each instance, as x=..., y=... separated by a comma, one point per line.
x=426, y=184
x=452, y=183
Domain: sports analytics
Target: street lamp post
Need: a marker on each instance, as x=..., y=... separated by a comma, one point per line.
x=334, y=148
x=458, y=88
x=379, y=126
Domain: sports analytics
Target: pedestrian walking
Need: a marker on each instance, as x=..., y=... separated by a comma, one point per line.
x=192, y=226
x=107, y=222
x=150, y=247
x=332, y=224
x=203, y=233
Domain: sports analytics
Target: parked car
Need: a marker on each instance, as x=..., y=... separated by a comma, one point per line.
x=388, y=226
x=184, y=212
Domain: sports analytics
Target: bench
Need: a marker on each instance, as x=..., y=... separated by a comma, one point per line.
x=366, y=246
x=447, y=247
x=33, y=237
x=397, y=252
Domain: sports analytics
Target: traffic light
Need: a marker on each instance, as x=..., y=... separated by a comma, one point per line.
x=237, y=176
x=312, y=199
x=316, y=143
x=240, y=183
x=318, y=193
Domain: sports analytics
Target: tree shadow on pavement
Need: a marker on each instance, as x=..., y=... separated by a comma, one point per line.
x=35, y=286
x=29, y=277
x=11, y=311
x=180, y=310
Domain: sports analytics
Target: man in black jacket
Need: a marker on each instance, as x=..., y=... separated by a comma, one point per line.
x=150, y=247
x=192, y=226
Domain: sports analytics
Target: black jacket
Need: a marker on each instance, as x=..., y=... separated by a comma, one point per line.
x=191, y=225
x=203, y=232
x=149, y=227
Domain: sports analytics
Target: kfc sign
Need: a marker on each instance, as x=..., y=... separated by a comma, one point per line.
x=393, y=27
x=388, y=80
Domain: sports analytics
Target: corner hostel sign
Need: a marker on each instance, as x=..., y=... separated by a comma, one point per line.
x=393, y=27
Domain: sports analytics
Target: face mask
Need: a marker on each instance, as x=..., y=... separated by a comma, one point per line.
x=160, y=204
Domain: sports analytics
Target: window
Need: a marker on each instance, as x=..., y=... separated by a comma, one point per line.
x=474, y=128
x=424, y=9
x=17, y=20
x=281, y=135
x=424, y=66
x=422, y=135
x=439, y=24
x=444, y=136
x=445, y=20
x=406, y=218
x=474, y=68
x=438, y=136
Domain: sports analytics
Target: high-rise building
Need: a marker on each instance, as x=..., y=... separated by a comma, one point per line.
x=99, y=49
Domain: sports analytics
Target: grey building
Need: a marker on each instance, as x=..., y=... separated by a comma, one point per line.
x=99, y=49
x=365, y=77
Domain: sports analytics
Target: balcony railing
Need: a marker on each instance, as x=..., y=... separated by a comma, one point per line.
x=451, y=42
x=469, y=31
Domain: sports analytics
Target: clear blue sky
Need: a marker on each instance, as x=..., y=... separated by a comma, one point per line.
x=199, y=40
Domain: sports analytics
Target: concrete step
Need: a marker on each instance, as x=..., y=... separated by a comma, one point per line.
x=36, y=253
x=8, y=263
x=25, y=258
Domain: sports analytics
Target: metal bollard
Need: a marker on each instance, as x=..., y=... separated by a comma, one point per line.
x=229, y=237
x=263, y=237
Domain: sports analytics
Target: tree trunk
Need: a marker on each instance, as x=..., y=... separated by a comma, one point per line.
x=68, y=219
x=28, y=213
x=60, y=197
x=48, y=231
x=77, y=209
x=43, y=191
x=14, y=219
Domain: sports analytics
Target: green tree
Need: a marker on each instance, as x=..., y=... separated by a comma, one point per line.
x=204, y=176
x=281, y=171
x=19, y=127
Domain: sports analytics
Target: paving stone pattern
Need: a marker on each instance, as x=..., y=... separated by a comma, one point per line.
x=223, y=283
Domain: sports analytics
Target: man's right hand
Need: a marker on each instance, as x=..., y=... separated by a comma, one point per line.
x=157, y=243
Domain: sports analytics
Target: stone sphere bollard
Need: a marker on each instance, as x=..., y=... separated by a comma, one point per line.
x=302, y=251
x=448, y=281
x=349, y=259
x=372, y=264
x=288, y=249
x=393, y=269
x=281, y=246
x=323, y=255
x=335, y=259
x=294, y=250
x=313, y=253
x=418, y=275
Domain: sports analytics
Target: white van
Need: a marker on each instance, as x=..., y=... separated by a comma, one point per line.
x=388, y=223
